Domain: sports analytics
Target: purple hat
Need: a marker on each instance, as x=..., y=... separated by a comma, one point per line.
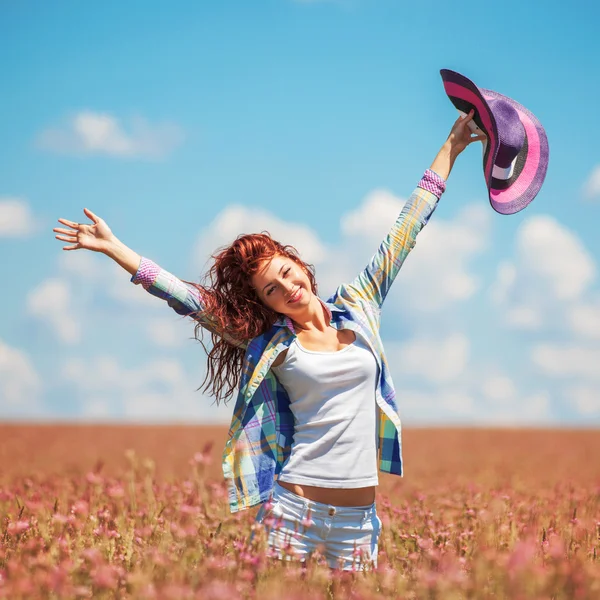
x=515, y=155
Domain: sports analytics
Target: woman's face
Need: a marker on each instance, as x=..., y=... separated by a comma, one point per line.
x=283, y=285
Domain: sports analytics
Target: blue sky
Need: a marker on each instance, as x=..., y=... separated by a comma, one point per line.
x=184, y=124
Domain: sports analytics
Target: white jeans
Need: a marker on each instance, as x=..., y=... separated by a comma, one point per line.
x=346, y=535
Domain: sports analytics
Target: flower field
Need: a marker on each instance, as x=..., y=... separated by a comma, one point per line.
x=141, y=512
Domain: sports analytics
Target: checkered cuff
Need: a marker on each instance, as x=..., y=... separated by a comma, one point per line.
x=433, y=183
x=147, y=273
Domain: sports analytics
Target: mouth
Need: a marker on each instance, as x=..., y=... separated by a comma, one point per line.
x=296, y=296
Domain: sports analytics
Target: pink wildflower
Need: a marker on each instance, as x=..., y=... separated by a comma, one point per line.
x=187, y=509
x=204, y=457
x=80, y=507
x=105, y=577
x=92, y=554
x=94, y=478
x=522, y=555
x=307, y=521
x=17, y=527
x=116, y=491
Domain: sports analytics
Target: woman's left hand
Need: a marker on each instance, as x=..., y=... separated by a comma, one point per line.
x=461, y=135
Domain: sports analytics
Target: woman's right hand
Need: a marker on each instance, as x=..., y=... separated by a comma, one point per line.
x=96, y=237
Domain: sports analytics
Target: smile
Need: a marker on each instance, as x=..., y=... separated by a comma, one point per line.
x=296, y=296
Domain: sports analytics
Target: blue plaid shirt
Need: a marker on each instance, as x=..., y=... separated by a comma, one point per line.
x=262, y=426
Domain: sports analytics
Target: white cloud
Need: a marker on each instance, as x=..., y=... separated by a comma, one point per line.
x=460, y=405
x=591, y=187
x=235, y=220
x=158, y=390
x=434, y=360
x=20, y=385
x=51, y=302
x=567, y=360
x=556, y=256
x=506, y=276
x=89, y=132
x=373, y=218
x=585, y=398
x=524, y=317
x=16, y=218
x=87, y=280
x=169, y=332
x=434, y=407
x=106, y=278
x=551, y=270
x=499, y=388
x=81, y=264
x=584, y=319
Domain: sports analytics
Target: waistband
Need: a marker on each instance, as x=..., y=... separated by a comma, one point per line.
x=284, y=495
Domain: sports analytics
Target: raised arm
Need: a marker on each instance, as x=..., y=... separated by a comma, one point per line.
x=374, y=282
x=184, y=298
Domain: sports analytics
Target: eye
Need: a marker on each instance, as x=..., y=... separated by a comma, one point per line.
x=268, y=292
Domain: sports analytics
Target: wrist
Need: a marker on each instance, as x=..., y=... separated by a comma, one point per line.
x=451, y=149
x=111, y=247
x=444, y=160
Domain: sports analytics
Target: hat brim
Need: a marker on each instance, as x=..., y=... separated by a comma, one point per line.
x=512, y=195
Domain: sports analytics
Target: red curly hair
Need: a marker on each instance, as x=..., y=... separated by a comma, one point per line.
x=235, y=308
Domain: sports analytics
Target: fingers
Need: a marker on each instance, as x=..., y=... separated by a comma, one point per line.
x=469, y=117
x=71, y=224
x=67, y=238
x=63, y=231
x=91, y=215
x=74, y=247
x=464, y=119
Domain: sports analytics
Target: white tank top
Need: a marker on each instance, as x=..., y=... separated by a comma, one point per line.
x=332, y=398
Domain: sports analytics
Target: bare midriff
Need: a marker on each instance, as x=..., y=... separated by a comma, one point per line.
x=337, y=497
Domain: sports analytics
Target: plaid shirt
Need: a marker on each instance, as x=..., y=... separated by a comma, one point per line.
x=262, y=426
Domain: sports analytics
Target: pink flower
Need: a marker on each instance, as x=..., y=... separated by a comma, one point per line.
x=18, y=527
x=174, y=591
x=116, y=491
x=94, y=478
x=80, y=507
x=92, y=554
x=105, y=577
x=204, y=457
x=250, y=559
x=424, y=544
x=556, y=547
x=522, y=555
x=187, y=509
x=307, y=521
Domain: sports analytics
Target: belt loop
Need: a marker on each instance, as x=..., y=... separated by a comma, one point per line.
x=304, y=511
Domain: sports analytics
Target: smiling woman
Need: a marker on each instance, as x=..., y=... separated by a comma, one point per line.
x=315, y=414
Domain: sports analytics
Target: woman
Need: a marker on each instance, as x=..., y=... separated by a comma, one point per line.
x=315, y=409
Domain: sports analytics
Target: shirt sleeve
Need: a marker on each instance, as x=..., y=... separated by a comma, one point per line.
x=374, y=281
x=184, y=298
